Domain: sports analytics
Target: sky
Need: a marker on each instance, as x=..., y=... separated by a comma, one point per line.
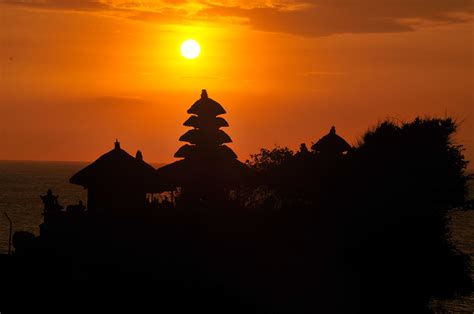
x=76, y=75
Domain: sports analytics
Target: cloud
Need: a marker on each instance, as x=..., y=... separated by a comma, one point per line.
x=87, y=5
x=310, y=18
x=201, y=77
x=116, y=101
x=327, y=17
x=321, y=73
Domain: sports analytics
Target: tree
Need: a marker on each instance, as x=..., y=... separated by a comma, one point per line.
x=405, y=178
x=268, y=159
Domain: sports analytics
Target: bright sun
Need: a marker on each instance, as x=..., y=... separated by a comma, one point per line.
x=190, y=49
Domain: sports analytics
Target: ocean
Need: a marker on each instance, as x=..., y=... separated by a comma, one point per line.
x=22, y=183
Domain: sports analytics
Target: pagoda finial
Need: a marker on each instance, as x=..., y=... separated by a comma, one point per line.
x=117, y=144
x=333, y=130
x=204, y=93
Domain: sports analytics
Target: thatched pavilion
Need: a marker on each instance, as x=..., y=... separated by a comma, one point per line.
x=331, y=145
x=116, y=181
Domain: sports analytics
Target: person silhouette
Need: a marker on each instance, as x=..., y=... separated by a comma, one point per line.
x=50, y=202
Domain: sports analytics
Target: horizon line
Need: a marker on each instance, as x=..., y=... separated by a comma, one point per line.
x=65, y=161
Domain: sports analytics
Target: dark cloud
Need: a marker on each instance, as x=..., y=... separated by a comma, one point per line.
x=307, y=18
x=79, y=5
x=327, y=17
x=165, y=12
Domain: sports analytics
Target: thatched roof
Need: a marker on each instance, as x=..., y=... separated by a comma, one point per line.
x=206, y=161
x=116, y=167
x=206, y=122
x=226, y=152
x=206, y=106
x=187, y=151
x=197, y=136
x=203, y=171
x=331, y=143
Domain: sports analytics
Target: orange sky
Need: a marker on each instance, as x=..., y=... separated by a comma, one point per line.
x=76, y=75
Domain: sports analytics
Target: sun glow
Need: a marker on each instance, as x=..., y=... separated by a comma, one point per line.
x=190, y=49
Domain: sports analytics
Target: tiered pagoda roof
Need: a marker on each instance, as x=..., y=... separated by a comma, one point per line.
x=206, y=158
x=206, y=138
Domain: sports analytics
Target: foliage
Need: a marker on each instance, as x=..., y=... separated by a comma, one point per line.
x=406, y=178
x=385, y=208
x=268, y=159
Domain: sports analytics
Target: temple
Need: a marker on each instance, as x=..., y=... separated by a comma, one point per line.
x=331, y=145
x=207, y=171
x=116, y=181
x=205, y=175
x=209, y=167
x=206, y=137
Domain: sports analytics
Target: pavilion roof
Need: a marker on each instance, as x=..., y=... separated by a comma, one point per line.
x=206, y=106
x=203, y=171
x=203, y=122
x=196, y=136
x=115, y=167
x=331, y=143
x=187, y=151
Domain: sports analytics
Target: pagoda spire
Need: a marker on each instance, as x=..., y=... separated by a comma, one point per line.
x=209, y=170
x=205, y=138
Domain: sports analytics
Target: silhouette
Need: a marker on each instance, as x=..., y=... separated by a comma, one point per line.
x=334, y=229
x=303, y=149
x=76, y=209
x=331, y=145
x=403, y=180
x=23, y=242
x=383, y=204
x=116, y=181
x=209, y=169
x=51, y=205
x=270, y=159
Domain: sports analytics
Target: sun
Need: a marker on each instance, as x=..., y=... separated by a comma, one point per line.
x=190, y=49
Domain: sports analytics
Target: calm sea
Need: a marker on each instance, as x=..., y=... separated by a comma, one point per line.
x=22, y=183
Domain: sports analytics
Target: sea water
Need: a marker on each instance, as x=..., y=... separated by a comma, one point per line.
x=22, y=183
